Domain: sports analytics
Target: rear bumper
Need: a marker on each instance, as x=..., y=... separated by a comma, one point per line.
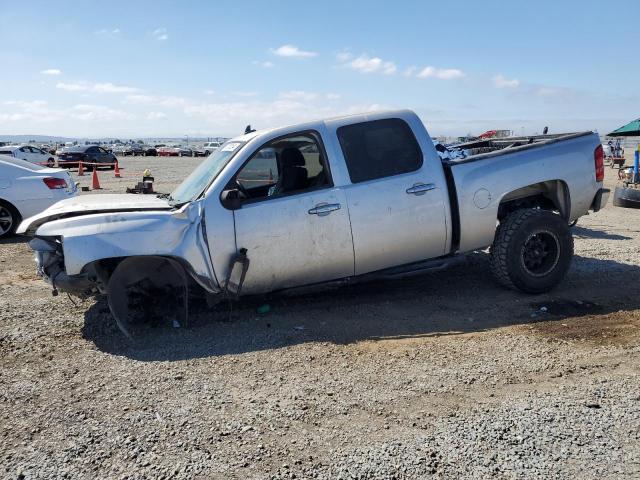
x=600, y=200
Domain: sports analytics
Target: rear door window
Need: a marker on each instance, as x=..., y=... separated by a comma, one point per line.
x=378, y=149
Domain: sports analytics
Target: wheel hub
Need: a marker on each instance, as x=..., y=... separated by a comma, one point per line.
x=6, y=220
x=540, y=253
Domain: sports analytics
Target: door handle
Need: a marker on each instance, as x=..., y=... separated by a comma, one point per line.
x=420, y=188
x=323, y=209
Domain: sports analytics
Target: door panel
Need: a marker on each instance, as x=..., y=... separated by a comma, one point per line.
x=392, y=226
x=25, y=154
x=288, y=246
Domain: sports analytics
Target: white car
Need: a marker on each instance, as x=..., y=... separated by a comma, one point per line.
x=30, y=154
x=210, y=147
x=27, y=189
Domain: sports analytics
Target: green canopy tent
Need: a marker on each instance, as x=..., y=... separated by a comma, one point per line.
x=631, y=129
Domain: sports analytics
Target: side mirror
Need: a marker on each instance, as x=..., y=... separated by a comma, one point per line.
x=231, y=200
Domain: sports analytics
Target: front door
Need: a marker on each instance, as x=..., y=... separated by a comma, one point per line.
x=396, y=205
x=293, y=222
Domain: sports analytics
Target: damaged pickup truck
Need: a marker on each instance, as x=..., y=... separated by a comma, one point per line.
x=333, y=201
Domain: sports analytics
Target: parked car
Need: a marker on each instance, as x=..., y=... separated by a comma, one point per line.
x=166, y=151
x=211, y=147
x=175, y=151
x=199, y=151
x=149, y=151
x=90, y=155
x=119, y=149
x=134, y=149
x=184, y=151
x=329, y=202
x=29, y=153
x=27, y=189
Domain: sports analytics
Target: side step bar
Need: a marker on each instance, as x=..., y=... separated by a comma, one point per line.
x=403, y=271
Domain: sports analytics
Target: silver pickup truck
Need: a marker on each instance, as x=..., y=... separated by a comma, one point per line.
x=338, y=200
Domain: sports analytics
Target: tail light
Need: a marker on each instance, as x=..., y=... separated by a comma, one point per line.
x=598, y=158
x=55, y=183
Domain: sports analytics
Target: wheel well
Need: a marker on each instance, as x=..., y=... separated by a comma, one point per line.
x=550, y=195
x=11, y=206
x=101, y=270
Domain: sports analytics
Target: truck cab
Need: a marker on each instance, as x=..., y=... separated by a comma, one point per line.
x=322, y=202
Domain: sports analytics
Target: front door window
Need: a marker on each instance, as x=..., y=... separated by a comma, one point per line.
x=285, y=166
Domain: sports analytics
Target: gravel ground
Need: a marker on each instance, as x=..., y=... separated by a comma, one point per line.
x=440, y=376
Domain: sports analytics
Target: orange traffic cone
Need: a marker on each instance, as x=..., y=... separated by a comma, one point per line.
x=94, y=180
x=117, y=170
x=80, y=169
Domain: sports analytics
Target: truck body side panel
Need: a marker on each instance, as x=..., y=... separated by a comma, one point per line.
x=481, y=185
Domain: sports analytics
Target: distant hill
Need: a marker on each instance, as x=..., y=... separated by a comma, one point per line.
x=54, y=139
x=37, y=138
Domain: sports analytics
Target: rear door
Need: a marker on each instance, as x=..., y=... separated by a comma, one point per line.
x=39, y=156
x=95, y=155
x=396, y=206
x=293, y=222
x=24, y=153
x=104, y=155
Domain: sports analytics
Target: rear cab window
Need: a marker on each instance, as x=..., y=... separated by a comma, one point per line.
x=379, y=149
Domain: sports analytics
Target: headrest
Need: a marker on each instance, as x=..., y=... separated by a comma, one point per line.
x=291, y=157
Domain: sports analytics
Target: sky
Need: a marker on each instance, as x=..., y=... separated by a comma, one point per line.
x=170, y=69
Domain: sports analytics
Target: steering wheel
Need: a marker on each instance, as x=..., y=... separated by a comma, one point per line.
x=241, y=189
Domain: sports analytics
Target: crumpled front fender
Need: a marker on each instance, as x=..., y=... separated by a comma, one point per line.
x=177, y=234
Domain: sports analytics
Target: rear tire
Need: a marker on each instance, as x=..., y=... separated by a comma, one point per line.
x=532, y=251
x=9, y=219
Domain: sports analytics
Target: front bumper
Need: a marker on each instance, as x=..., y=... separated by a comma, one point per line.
x=50, y=266
x=600, y=200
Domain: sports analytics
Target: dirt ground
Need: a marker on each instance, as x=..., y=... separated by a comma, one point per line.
x=445, y=375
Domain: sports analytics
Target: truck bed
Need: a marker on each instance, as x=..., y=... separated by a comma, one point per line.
x=481, y=149
x=496, y=168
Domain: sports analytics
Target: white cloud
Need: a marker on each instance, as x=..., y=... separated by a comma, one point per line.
x=307, y=96
x=51, y=71
x=108, y=32
x=160, y=34
x=89, y=112
x=245, y=94
x=298, y=94
x=156, y=115
x=72, y=87
x=501, y=82
x=235, y=115
x=366, y=64
x=441, y=73
x=409, y=71
x=344, y=57
x=111, y=88
x=106, y=87
x=156, y=100
x=36, y=111
x=292, y=51
x=209, y=92
x=266, y=64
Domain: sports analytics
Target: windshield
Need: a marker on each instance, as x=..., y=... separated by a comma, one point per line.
x=204, y=174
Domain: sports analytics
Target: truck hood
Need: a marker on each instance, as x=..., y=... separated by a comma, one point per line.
x=88, y=204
